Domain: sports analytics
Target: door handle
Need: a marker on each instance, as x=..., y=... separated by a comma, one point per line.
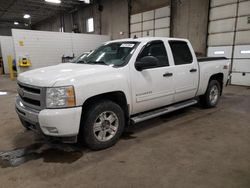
x=167, y=74
x=193, y=70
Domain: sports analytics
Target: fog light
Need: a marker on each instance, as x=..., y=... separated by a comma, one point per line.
x=52, y=130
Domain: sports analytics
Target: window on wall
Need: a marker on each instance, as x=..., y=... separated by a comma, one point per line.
x=85, y=1
x=90, y=25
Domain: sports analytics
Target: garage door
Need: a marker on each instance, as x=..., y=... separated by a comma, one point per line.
x=151, y=23
x=228, y=36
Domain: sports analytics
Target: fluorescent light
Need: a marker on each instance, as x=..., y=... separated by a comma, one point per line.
x=53, y=1
x=26, y=16
x=245, y=51
x=16, y=23
x=3, y=93
x=219, y=52
x=85, y=1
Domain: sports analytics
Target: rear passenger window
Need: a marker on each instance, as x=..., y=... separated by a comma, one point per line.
x=181, y=52
x=158, y=50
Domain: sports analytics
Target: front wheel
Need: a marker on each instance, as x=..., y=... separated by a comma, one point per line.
x=102, y=125
x=212, y=95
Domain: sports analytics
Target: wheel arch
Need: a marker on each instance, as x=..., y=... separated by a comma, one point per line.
x=117, y=97
x=218, y=77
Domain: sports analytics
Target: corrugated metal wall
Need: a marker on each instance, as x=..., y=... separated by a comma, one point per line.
x=229, y=36
x=151, y=23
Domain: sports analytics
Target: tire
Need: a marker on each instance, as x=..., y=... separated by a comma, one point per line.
x=102, y=125
x=211, y=97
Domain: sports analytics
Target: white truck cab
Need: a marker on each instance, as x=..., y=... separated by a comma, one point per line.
x=122, y=82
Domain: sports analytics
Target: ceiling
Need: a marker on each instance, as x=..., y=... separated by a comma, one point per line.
x=13, y=10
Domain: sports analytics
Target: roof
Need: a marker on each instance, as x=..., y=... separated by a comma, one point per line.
x=147, y=39
x=13, y=10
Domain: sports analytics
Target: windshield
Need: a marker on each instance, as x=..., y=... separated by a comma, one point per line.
x=113, y=54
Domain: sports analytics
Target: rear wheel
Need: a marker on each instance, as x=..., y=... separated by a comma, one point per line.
x=212, y=95
x=102, y=125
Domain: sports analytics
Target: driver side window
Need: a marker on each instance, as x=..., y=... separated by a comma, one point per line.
x=156, y=49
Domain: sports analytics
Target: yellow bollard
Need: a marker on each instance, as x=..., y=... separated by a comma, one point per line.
x=10, y=67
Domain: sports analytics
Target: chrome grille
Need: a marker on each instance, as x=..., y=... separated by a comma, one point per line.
x=31, y=96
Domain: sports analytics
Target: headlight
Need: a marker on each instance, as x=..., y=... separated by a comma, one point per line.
x=60, y=97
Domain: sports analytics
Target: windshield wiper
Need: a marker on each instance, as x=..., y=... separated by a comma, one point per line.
x=81, y=62
x=97, y=62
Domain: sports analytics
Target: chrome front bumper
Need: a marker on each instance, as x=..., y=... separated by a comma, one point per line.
x=30, y=117
x=27, y=114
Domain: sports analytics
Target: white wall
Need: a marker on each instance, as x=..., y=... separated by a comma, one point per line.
x=86, y=42
x=7, y=48
x=151, y=23
x=47, y=48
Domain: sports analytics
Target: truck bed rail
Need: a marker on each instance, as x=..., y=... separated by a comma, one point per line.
x=202, y=59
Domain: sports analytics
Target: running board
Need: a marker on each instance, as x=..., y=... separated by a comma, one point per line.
x=165, y=110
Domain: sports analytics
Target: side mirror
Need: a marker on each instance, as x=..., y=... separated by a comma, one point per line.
x=146, y=63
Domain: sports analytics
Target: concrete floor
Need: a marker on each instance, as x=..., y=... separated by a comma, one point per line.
x=190, y=148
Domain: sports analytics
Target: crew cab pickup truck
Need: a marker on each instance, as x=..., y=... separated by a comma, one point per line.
x=121, y=83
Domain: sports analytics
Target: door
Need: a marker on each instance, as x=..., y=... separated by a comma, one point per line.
x=186, y=71
x=152, y=87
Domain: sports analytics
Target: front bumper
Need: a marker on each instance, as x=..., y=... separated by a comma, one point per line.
x=51, y=122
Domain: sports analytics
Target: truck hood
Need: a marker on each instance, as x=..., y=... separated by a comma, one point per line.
x=49, y=76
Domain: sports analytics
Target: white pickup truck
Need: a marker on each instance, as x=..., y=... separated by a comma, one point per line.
x=123, y=82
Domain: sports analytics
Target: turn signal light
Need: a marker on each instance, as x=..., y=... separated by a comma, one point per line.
x=70, y=96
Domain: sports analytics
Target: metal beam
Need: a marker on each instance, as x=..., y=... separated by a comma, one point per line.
x=13, y=10
x=10, y=5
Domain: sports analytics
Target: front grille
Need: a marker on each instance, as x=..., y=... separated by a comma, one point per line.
x=31, y=96
x=30, y=89
x=31, y=101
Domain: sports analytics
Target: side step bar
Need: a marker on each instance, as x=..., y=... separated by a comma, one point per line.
x=165, y=110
